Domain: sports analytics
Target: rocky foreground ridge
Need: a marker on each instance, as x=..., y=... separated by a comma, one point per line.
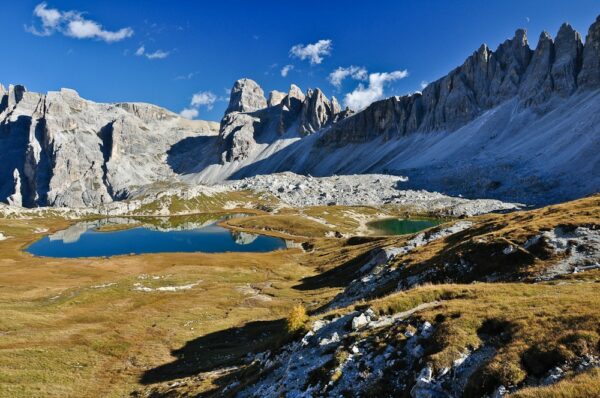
x=513, y=123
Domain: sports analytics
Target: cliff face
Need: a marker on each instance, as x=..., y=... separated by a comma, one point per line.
x=485, y=80
x=250, y=118
x=514, y=123
x=61, y=150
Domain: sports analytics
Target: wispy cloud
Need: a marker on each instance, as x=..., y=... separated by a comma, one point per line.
x=355, y=72
x=312, y=52
x=158, y=54
x=363, y=95
x=286, y=69
x=189, y=76
x=73, y=24
x=205, y=99
x=424, y=84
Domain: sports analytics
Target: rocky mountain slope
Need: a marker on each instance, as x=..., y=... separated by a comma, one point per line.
x=514, y=123
x=491, y=306
x=61, y=150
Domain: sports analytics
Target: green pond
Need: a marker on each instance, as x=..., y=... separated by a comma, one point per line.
x=402, y=226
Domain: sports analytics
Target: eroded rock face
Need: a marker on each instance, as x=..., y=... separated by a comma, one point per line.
x=292, y=113
x=485, y=80
x=246, y=96
x=237, y=135
x=16, y=199
x=68, y=151
x=568, y=50
x=537, y=83
x=317, y=112
x=589, y=77
x=275, y=98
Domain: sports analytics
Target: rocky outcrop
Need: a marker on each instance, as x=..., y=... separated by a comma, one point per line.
x=291, y=107
x=589, y=77
x=317, y=112
x=537, y=82
x=16, y=199
x=68, y=151
x=246, y=96
x=568, y=49
x=275, y=98
x=292, y=113
x=237, y=136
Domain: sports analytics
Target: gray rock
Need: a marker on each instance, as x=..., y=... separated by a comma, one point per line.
x=296, y=92
x=589, y=77
x=568, y=50
x=359, y=322
x=275, y=98
x=246, y=96
x=237, y=136
x=537, y=83
x=77, y=153
x=16, y=199
x=291, y=108
x=316, y=112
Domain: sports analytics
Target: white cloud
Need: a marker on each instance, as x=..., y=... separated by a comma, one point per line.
x=355, y=72
x=204, y=98
x=424, y=84
x=286, y=69
x=313, y=52
x=50, y=19
x=73, y=24
x=189, y=113
x=362, y=96
x=201, y=98
x=158, y=54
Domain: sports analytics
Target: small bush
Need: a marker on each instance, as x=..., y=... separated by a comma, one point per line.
x=296, y=320
x=582, y=342
x=538, y=359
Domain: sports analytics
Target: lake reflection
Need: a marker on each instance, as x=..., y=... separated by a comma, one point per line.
x=117, y=236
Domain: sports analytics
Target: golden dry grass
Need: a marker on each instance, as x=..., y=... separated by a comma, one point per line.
x=77, y=327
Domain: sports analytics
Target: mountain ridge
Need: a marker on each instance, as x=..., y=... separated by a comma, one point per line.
x=61, y=150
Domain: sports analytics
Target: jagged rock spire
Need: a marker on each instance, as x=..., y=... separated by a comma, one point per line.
x=537, y=83
x=16, y=199
x=317, y=111
x=275, y=98
x=246, y=96
x=589, y=77
x=568, y=49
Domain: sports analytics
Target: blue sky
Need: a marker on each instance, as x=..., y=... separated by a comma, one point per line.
x=164, y=52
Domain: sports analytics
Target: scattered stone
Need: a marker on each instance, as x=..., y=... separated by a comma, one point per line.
x=359, y=322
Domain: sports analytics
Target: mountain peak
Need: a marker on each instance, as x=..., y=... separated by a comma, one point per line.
x=246, y=96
